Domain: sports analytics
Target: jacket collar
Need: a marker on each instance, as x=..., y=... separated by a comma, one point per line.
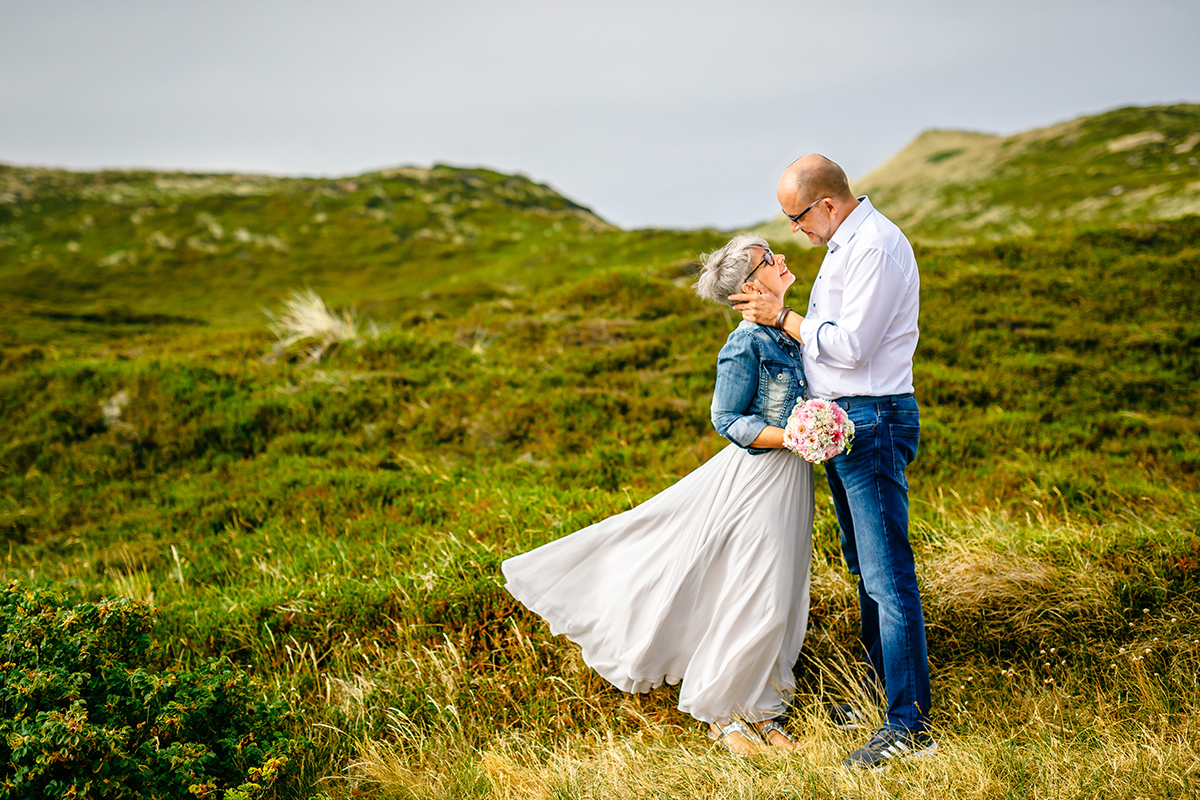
x=779, y=337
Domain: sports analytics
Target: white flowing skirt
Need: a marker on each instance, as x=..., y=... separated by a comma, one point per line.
x=705, y=583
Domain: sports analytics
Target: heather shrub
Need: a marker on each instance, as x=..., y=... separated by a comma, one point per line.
x=85, y=711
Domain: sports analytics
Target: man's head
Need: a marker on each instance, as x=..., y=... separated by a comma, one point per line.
x=815, y=194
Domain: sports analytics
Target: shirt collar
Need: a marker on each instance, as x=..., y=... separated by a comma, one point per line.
x=850, y=224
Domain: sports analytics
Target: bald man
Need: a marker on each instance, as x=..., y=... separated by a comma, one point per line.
x=858, y=335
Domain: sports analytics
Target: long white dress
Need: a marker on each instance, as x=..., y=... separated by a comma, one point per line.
x=705, y=583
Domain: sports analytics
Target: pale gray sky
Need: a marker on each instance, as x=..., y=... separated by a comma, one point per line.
x=677, y=114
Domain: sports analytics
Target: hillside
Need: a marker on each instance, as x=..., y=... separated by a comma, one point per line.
x=331, y=518
x=336, y=528
x=94, y=253
x=1127, y=165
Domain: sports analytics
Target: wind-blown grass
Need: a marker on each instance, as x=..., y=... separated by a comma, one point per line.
x=1052, y=730
x=306, y=317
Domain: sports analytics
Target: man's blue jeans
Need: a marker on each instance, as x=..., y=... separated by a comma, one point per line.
x=870, y=495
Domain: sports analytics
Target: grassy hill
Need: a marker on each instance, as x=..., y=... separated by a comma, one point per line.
x=1127, y=165
x=96, y=255
x=335, y=526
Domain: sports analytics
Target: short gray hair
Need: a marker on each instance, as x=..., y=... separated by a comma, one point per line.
x=723, y=271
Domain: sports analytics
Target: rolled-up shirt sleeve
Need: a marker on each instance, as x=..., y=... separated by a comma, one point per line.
x=849, y=341
x=736, y=389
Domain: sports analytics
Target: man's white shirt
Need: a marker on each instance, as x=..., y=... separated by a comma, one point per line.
x=860, y=328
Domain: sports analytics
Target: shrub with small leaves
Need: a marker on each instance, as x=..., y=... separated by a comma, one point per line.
x=85, y=713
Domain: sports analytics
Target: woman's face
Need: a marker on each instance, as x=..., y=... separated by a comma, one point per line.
x=775, y=278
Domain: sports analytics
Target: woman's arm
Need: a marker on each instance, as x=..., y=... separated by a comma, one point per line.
x=736, y=389
x=770, y=438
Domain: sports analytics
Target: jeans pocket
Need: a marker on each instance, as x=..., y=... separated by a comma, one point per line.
x=905, y=441
x=865, y=418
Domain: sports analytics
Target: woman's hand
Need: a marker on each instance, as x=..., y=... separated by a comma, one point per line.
x=761, y=308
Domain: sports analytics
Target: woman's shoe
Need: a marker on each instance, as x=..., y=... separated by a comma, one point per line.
x=736, y=738
x=774, y=734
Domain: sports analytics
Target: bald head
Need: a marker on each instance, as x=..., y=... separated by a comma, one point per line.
x=813, y=176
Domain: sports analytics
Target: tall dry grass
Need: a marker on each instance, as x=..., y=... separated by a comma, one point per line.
x=1027, y=739
x=1077, y=696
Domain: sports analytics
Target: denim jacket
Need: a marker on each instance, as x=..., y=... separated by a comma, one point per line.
x=759, y=380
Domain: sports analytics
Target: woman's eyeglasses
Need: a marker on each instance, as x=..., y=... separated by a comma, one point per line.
x=768, y=258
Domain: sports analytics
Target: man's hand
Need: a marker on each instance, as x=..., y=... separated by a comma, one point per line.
x=760, y=308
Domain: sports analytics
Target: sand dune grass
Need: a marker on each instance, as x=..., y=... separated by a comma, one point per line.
x=1039, y=743
x=337, y=531
x=1083, y=697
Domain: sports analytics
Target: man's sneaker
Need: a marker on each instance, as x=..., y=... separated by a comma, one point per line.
x=847, y=717
x=889, y=745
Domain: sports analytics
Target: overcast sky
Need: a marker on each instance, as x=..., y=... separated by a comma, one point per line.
x=677, y=114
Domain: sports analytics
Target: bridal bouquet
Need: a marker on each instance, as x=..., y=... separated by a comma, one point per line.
x=818, y=430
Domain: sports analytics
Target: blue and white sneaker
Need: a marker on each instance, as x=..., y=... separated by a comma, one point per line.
x=889, y=745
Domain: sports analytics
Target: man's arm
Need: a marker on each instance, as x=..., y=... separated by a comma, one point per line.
x=871, y=294
x=764, y=309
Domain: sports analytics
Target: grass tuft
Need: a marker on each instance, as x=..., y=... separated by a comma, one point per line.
x=1017, y=738
x=306, y=318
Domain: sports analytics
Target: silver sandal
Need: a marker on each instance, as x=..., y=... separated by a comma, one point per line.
x=773, y=725
x=734, y=726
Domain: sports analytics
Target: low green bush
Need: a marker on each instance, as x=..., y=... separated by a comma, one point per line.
x=84, y=712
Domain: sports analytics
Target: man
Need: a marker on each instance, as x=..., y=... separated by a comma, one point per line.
x=857, y=338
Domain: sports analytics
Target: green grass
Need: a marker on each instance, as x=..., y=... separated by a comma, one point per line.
x=337, y=527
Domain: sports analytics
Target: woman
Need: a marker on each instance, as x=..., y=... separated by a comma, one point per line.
x=707, y=582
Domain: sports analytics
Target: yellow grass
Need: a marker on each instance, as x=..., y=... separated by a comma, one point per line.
x=1042, y=755
x=1074, y=717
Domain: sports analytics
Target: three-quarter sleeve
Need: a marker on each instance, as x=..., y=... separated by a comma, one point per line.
x=735, y=392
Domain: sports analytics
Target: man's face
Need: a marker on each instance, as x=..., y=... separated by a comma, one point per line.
x=816, y=216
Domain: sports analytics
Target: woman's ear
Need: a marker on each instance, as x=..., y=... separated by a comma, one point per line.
x=750, y=288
